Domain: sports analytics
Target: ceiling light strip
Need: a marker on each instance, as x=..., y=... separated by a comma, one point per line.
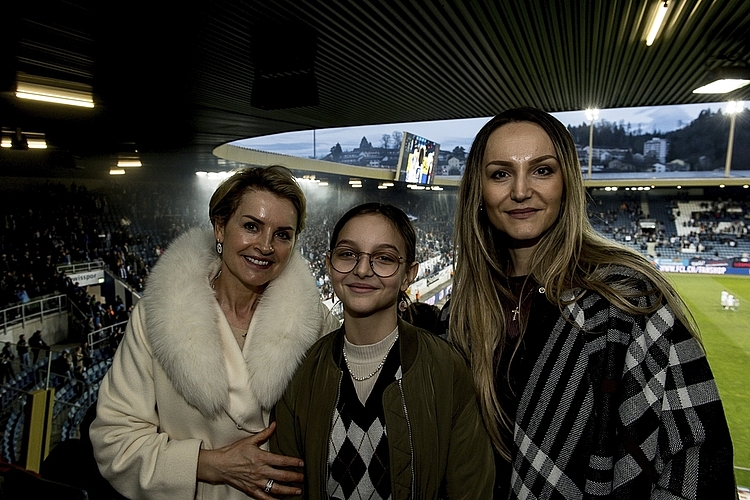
x=721, y=86
x=656, y=24
x=55, y=95
x=129, y=163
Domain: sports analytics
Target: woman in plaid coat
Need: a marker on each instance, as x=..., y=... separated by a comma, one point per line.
x=588, y=367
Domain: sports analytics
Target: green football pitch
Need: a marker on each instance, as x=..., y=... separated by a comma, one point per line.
x=726, y=338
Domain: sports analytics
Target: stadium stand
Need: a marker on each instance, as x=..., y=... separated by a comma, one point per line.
x=126, y=229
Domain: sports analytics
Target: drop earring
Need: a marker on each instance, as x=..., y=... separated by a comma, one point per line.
x=219, y=247
x=402, y=305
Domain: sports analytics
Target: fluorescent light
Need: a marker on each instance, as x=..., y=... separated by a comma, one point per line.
x=213, y=175
x=656, y=24
x=721, y=86
x=47, y=93
x=53, y=90
x=129, y=163
x=54, y=99
x=26, y=140
x=218, y=175
x=128, y=157
x=116, y=171
x=725, y=79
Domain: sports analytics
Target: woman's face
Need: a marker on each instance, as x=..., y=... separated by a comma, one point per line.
x=362, y=292
x=522, y=182
x=258, y=239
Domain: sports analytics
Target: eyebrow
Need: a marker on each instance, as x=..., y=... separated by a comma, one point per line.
x=533, y=161
x=261, y=222
x=378, y=247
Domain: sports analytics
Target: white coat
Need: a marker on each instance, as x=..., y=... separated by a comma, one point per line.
x=179, y=381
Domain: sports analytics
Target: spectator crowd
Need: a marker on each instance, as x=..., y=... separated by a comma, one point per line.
x=126, y=228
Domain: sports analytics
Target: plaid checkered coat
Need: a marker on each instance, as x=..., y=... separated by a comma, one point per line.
x=620, y=406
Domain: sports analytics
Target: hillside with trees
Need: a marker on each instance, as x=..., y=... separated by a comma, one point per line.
x=702, y=143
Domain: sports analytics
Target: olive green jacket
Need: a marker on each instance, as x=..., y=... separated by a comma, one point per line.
x=438, y=445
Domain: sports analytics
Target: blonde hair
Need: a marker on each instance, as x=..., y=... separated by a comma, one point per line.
x=571, y=255
x=275, y=179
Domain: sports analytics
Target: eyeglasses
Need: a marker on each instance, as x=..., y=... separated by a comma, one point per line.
x=383, y=263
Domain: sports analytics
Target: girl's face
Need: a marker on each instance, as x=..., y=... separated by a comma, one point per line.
x=362, y=292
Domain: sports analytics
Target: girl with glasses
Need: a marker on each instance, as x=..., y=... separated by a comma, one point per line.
x=379, y=408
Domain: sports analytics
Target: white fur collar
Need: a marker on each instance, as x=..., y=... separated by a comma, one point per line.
x=182, y=319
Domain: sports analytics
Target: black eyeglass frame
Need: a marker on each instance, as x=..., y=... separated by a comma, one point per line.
x=329, y=254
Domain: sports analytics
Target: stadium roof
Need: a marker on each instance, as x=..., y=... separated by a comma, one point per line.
x=176, y=82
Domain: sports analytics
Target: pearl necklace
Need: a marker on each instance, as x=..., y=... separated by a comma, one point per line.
x=382, y=362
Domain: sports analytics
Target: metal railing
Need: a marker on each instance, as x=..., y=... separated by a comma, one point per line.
x=76, y=311
x=73, y=397
x=80, y=267
x=99, y=337
x=21, y=313
x=125, y=284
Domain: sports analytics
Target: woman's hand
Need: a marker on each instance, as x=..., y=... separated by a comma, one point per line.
x=244, y=466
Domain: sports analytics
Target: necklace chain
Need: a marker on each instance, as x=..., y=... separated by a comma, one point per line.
x=382, y=362
x=517, y=310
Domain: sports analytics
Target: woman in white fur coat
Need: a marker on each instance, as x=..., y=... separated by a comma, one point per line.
x=225, y=320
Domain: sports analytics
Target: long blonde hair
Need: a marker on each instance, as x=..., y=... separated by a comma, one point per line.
x=571, y=255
